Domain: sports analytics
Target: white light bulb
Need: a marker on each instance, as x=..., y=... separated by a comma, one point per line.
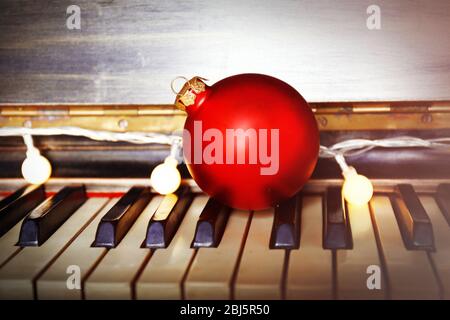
x=36, y=169
x=166, y=178
x=357, y=189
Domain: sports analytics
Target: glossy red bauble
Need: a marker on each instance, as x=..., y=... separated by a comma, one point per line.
x=251, y=140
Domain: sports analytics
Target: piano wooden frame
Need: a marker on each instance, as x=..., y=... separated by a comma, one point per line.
x=355, y=116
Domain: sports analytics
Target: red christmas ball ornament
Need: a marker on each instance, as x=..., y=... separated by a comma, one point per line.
x=250, y=140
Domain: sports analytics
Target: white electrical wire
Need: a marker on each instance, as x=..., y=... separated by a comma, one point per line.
x=99, y=135
x=338, y=151
x=355, y=147
x=28, y=141
x=165, y=178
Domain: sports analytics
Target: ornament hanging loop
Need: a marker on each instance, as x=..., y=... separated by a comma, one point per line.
x=172, y=83
x=188, y=93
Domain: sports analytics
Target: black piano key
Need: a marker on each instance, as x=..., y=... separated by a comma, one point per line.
x=443, y=199
x=337, y=233
x=211, y=224
x=163, y=224
x=286, y=225
x=414, y=223
x=118, y=220
x=17, y=205
x=46, y=218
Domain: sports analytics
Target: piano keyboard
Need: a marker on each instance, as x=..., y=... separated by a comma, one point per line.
x=138, y=245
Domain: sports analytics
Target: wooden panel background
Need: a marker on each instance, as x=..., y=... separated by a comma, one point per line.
x=128, y=51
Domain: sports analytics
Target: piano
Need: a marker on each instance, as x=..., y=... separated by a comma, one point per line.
x=97, y=230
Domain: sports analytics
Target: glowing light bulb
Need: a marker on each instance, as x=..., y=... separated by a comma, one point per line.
x=36, y=169
x=357, y=189
x=166, y=178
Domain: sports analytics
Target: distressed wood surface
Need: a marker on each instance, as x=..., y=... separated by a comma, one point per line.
x=128, y=51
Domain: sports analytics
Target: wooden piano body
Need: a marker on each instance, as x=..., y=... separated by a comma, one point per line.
x=112, y=74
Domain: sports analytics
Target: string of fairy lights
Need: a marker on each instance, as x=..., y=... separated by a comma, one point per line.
x=165, y=178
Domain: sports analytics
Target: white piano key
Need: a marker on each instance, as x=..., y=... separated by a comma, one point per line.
x=352, y=265
x=260, y=271
x=113, y=277
x=8, y=243
x=17, y=276
x=53, y=283
x=410, y=274
x=441, y=231
x=212, y=270
x=162, y=276
x=310, y=267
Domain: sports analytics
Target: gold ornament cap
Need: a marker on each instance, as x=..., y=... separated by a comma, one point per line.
x=187, y=95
